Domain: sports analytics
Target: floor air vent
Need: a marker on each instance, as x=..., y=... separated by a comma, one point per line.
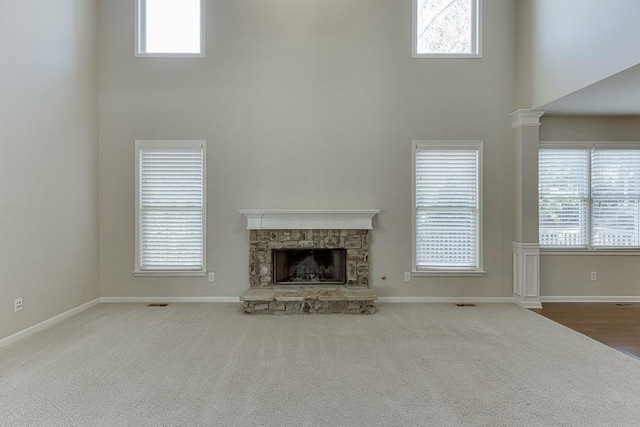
x=164, y=304
x=625, y=304
x=466, y=305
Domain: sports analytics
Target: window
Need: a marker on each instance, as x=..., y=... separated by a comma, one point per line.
x=589, y=197
x=170, y=208
x=447, y=207
x=170, y=28
x=446, y=28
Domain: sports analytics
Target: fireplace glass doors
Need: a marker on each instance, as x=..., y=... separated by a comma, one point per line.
x=309, y=266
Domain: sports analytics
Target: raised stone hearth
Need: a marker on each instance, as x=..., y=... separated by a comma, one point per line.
x=308, y=300
x=297, y=284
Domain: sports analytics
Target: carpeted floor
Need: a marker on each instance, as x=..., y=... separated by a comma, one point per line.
x=409, y=364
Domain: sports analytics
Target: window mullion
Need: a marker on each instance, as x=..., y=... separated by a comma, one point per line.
x=590, y=202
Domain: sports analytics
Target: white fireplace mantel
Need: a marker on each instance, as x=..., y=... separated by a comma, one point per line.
x=309, y=219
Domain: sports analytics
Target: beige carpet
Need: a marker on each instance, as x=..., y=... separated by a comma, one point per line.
x=410, y=364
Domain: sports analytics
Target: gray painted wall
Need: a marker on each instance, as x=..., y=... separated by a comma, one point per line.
x=304, y=104
x=48, y=159
x=566, y=45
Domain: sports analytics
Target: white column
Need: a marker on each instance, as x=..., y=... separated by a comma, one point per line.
x=526, y=250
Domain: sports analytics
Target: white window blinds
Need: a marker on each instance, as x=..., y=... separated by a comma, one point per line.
x=589, y=198
x=447, y=204
x=171, y=205
x=564, y=197
x=615, y=192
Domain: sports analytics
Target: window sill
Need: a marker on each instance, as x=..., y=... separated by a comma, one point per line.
x=448, y=273
x=587, y=252
x=446, y=56
x=170, y=273
x=168, y=55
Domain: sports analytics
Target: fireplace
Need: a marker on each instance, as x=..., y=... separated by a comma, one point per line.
x=309, y=266
x=264, y=245
x=309, y=261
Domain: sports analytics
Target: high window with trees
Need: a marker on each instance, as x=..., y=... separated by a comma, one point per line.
x=447, y=28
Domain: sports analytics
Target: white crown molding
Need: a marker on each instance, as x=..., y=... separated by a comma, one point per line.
x=47, y=323
x=309, y=219
x=522, y=118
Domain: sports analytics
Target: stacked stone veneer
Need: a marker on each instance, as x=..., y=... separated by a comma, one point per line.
x=356, y=242
x=309, y=306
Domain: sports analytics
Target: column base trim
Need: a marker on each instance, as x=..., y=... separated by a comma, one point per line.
x=527, y=302
x=526, y=274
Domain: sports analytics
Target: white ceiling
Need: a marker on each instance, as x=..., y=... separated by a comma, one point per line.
x=615, y=95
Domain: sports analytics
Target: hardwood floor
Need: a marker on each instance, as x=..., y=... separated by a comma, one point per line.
x=616, y=325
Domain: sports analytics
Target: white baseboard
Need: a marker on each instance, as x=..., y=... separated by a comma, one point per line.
x=500, y=300
x=457, y=300
x=528, y=304
x=47, y=323
x=168, y=299
x=590, y=299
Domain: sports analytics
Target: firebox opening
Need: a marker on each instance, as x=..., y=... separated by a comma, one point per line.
x=309, y=266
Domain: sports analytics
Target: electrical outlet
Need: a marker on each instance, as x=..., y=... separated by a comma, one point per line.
x=212, y=276
x=594, y=275
x=17, y=304
x=407, y=276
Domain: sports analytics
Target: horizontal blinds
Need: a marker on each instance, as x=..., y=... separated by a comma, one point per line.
x=171, y=208
x=447, y=208
x=563, y=189
x=615, y=182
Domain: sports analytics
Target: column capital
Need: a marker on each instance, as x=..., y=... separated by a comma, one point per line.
x=520, y=118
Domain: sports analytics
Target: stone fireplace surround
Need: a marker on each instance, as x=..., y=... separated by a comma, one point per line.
x=309, y=229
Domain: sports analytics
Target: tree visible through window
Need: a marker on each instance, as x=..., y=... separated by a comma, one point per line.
x=446, y=27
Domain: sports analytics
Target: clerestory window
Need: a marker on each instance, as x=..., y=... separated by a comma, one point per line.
x=170, y=28
x=447, y=28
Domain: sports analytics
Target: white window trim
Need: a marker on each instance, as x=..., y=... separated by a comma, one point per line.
x=476, y=36
x=589, y=251
x=140, y=35
x=546, y=250
x=140, y=144
x=479, y=271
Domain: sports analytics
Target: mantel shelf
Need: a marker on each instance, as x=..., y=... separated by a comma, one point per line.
x=309, y=219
